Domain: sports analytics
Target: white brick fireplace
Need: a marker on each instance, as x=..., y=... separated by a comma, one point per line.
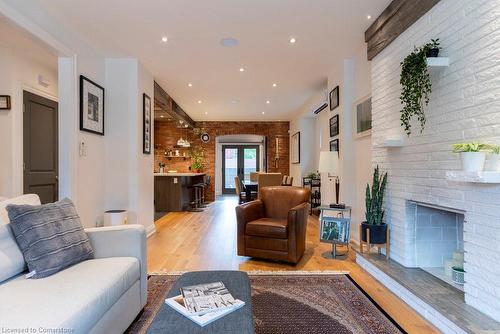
x=465, y=106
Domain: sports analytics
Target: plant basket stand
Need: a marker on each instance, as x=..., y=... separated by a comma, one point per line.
x=369, y=245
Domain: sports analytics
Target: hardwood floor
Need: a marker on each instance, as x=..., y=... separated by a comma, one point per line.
x=187, y=241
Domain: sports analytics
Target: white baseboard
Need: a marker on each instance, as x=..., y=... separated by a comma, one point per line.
x=150, y=230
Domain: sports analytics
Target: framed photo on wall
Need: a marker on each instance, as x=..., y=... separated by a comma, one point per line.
x=146, y=124
x=334, y=98
x=91, y=106
x=334, y=146
x=334, y=126
x=4, y=102
x=295, y=148
x=363, y=117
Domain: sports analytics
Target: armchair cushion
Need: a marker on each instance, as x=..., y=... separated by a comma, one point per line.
x=268, y=227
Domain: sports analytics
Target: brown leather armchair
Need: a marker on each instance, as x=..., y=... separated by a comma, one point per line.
x=274, y=226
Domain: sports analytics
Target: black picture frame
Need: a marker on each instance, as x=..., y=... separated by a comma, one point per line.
x=295, y=148
x=334, y=146
x=97, y=116
x=5, y=102
x=334, y=126
x=146, y=124
x=334, y=98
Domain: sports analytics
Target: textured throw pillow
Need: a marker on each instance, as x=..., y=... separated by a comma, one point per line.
x=50, y=236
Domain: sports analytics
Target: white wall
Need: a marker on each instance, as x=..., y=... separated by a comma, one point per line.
x=464, y=106
x=83, y=178
x=304, y=121
x=21, y=61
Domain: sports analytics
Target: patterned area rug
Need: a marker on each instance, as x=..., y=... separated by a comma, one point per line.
x=293, y=303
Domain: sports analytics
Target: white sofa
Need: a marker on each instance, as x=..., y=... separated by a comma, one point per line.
x=102, y=295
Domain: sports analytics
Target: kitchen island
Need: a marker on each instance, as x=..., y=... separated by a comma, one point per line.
x=173, y=191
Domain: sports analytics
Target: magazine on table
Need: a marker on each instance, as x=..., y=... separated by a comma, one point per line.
x=203, y=298
x=177, y=303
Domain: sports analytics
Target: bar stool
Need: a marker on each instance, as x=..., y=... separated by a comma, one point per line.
x=206, y=185
x=197, y=189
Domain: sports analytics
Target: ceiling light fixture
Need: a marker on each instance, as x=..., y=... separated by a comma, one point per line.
x=263, y=113
x=292, y=40
x=242, y=69
x=274, y=85
x=164, y=39
x=368, y=17
x=190, y=85
x=199, y=101
x=267, y=102
x=206, y=113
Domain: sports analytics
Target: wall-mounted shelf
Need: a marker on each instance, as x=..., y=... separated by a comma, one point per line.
x=473, y=177
x=395, y=142
x=438, y=62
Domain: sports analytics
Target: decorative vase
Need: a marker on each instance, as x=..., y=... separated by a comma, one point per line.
x=378, y=233
x=493, y=163
x=473, y=161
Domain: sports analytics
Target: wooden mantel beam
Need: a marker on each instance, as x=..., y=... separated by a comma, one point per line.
x=394, y=20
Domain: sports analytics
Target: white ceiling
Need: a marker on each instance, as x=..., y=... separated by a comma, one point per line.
x=326, y=31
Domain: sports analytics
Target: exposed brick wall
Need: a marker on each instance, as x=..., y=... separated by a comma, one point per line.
x=167, y=134
x=464, y=107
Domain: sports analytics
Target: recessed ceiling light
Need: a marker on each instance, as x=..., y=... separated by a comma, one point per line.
x=206, y=113
x=263, y=113
x=190, y=85
x=199, y=101
x=368, y=17
x=267, y=102
x=242, y=69
x=274, y=85
x=164, y=39
x=235, y=101
x=292, y=40
x=229, y=42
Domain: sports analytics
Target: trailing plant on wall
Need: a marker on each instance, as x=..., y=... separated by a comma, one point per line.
x=375, y=197
x=416, y=85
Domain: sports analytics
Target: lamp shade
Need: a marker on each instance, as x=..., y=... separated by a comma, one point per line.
x=328, y=162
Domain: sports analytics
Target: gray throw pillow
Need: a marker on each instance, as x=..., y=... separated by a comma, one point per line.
x=50, y=236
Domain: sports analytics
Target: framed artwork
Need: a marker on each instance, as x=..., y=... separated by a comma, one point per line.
x=146, y=124
x=334, y=146
x=334, y=98
x=5, y=102
x=295, y=153
x=363, y=117
x=91, y=106
x=335, y=230
x=334, y=126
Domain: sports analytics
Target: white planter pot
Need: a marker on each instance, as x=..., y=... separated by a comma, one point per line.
x=493, y=163
x=473, y=161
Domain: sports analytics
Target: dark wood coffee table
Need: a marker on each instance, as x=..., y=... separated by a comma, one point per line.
x=240, y=321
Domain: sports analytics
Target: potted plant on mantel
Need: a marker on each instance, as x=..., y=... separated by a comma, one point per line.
x=375, y=211
x=473, y=155
x=416, y=85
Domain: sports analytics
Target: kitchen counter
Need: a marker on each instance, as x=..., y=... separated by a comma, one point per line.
x=174, y=191
x=179, y=174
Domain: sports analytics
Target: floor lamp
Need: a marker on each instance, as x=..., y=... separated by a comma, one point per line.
x=329, y=163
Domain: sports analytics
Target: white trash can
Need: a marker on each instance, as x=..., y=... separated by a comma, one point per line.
x=115, y=217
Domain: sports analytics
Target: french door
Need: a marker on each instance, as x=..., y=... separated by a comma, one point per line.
x=238, y=160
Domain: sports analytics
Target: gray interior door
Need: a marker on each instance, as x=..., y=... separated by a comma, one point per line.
x=40, y=141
